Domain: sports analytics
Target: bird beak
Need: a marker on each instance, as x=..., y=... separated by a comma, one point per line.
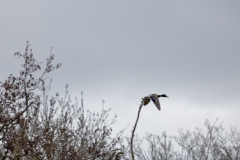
x=167, y=97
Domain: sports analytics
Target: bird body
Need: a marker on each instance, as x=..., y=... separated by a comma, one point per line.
x=154, y=98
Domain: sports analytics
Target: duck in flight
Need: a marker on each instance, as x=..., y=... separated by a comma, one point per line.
x=154, y=98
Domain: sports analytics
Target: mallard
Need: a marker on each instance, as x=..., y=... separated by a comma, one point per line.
x=154, y=98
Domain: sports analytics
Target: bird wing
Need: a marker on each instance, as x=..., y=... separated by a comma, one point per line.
x=156, y=102
x=146, y=100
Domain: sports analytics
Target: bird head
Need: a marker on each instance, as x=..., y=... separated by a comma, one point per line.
x=162, y=95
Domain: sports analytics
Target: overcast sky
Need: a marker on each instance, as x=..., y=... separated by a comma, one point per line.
x=121, y=51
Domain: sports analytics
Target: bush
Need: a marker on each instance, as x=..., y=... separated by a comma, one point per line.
x=36, y=126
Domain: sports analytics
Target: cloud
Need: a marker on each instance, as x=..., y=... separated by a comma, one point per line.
x=123, y=51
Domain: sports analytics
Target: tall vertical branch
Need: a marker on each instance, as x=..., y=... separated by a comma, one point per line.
x=134, y=128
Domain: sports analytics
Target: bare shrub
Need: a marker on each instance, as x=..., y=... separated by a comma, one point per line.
x=211, y=143
x=34, y=126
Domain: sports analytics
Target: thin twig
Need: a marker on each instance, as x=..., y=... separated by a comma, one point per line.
x=134, y=128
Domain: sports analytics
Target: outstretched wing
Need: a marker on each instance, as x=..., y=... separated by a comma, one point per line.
x=146, y=100
x=156, y=102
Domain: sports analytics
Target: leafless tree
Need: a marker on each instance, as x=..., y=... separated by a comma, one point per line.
x=37, y=126
x=17, y=97
x=209, y=143
x=212, y=144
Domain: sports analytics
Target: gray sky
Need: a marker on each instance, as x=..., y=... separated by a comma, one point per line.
x=121, y=51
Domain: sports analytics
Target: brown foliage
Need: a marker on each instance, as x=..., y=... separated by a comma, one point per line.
x=35, y=126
